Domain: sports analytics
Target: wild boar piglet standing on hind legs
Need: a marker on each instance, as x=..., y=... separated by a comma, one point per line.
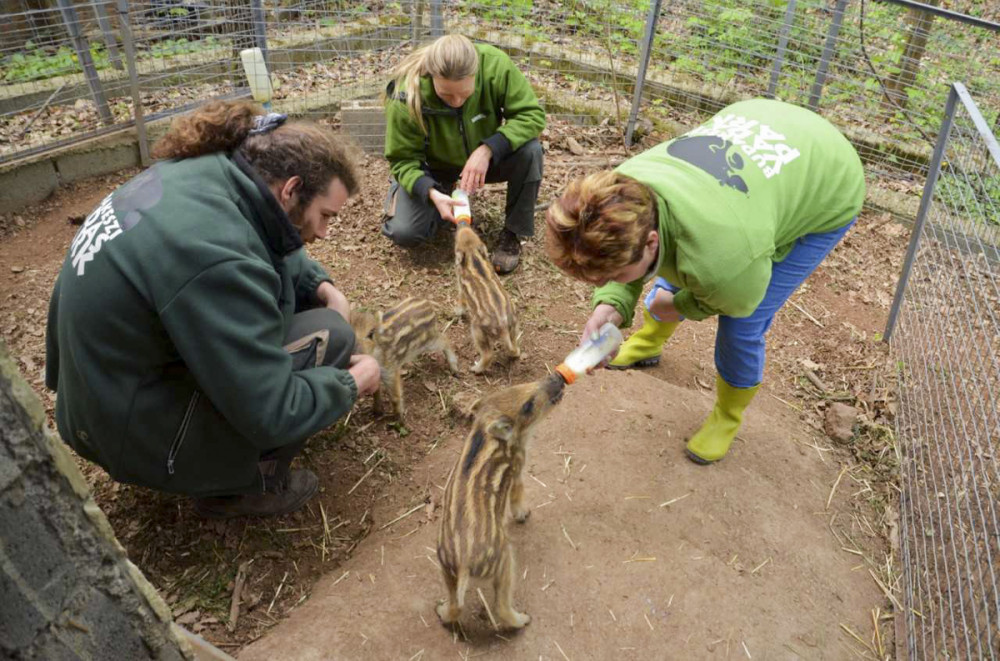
x=484, y=484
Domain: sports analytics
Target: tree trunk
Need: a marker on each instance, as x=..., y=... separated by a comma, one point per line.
x=909, y=61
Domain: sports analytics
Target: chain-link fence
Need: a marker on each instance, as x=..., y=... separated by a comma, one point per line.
x=945, y=333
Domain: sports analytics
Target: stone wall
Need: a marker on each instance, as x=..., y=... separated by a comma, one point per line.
x=68, y=591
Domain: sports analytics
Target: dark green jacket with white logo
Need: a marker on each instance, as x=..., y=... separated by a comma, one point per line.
x=166, y=328
x=502, y=112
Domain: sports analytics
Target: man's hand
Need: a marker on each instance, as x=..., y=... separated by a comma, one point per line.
x=444, y=204
x=366, y=372
x=663, y=308
x=334, y=299
x=474, y=173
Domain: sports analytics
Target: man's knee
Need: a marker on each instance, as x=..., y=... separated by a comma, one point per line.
x=320, y=336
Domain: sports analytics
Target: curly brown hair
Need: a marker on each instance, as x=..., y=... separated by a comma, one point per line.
x=306, y=149
x=599, y=225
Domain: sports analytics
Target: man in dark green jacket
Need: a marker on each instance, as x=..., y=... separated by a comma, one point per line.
x=193, y=345
x=461, y=115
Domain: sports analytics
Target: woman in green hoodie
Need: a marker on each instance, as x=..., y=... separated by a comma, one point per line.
x=728, y=220
x=193, y=344
x=461, y=115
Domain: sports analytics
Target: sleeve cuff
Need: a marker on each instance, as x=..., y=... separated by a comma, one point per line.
x=499, y=145
x=623, y=309
x=348, y=380
x=686, y=304
x=422, y=187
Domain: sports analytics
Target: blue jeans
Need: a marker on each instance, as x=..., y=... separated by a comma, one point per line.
x=739, y=342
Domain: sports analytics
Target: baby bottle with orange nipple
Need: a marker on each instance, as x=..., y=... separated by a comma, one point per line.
x=591, y=353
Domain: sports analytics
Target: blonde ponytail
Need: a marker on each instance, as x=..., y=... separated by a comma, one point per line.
x=452, y=57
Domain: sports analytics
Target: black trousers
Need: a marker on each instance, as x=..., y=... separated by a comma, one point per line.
x=316, y=337
x=409, y=222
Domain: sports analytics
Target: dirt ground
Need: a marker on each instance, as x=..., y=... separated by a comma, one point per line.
x=631, y=552
x=823, y=349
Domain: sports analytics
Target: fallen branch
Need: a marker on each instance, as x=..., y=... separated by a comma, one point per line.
x=234, y=607
x=39, y=112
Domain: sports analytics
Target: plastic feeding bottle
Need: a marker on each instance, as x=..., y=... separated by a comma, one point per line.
x=462, y=211
x=257, y=76
x=590, y=354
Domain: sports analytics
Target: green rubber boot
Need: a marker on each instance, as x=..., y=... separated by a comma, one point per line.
x=643, y=347
x=712, y=441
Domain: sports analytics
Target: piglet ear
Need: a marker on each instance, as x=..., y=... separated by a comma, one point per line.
x=502, y=428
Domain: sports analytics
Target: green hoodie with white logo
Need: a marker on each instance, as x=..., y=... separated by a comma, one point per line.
x=733, y=195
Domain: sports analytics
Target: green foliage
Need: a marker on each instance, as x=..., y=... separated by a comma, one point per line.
x=40, y=63
x=35, y=63
x=976, y=196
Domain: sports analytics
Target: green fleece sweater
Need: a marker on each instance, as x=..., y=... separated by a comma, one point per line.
x=502, y=112
x=733, y=195
x=166, y=327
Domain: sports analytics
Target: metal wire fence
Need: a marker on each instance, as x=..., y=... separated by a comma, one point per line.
x=945, y=331
x=881, y=70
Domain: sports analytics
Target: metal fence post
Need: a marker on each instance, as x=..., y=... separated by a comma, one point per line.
x=925, y=202
x=416, y=20
x=72, y=22
x=133, y=76
x=259, y=28
x=779, y=57
x=437, y=19
x=640, y=76
x=104, y=21
x=828, y=50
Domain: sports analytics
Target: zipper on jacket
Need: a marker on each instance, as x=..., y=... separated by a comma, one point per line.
x=459, y=114
x=182, y=431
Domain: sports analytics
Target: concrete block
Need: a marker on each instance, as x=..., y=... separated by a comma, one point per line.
x=113, y=635
x=364, y=121
x=36, y=552
x=21, y=619
x=53, y=649
x=27, y=184
x=99, y=159
x=9, y=470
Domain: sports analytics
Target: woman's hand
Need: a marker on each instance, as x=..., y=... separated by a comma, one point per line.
x=334, y=299
x=663, y=308
x=366, y=372
x=444, y=204
x=601, y=315
x=474, y=173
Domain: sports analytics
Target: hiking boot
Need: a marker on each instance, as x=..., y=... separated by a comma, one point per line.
x=507, y=254
x=287, y=496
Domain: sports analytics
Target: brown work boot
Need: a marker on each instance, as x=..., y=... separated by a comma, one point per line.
x=507, y=254
x=287, y=496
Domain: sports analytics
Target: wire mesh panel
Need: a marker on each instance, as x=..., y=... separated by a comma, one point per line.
x=58, y=67
x=947, y=343
x=878, y=70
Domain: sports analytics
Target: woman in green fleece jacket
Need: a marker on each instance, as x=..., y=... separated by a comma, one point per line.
x=461, y=115
x=193, y=345
x=728, y=220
